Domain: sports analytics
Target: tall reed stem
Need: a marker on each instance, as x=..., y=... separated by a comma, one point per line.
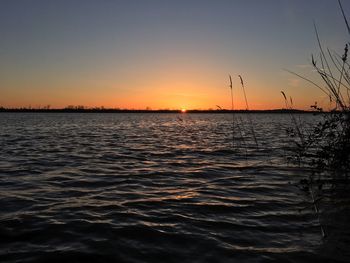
x=233, y=114
x=249, y=117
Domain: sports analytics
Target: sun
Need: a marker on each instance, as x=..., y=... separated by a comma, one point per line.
x=183, y=110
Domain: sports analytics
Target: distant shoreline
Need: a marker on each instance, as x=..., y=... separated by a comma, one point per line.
x=24, y=110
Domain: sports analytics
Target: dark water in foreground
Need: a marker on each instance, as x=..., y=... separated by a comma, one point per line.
x=150, y=188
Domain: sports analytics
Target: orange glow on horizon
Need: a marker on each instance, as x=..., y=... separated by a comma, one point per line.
x=159, y=100
x=160, y=92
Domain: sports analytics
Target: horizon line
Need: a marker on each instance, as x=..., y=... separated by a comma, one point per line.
x=80, y=109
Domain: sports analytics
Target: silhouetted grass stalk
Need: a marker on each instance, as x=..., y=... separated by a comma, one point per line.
x=233, y=114
x=296, y=124
x=247, y=108
x=317, y=211
x=237, y=123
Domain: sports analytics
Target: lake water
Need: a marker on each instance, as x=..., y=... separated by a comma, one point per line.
x=152, y=188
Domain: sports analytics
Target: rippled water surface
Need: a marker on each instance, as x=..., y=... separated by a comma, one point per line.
x=150, y=188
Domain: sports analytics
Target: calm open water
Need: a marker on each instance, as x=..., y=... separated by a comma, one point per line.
x=151, y=188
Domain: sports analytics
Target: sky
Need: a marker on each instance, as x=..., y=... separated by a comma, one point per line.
x=163, y=54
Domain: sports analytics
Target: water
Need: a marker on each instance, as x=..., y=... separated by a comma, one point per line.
x=151, y=188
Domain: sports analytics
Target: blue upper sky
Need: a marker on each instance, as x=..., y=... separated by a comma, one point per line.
x=161, y=54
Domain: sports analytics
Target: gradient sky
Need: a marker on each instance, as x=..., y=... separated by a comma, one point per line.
x=162, y=54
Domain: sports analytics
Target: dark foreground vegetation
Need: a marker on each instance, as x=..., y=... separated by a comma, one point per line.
x=325, y=148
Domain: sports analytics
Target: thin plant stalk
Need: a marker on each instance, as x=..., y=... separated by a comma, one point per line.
x=249, y=117
x=233, y=114
x=344, y=16
x=296, y=125
x=239, y=124
x=317, y=211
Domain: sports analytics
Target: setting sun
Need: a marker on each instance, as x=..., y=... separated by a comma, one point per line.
x=183, y=110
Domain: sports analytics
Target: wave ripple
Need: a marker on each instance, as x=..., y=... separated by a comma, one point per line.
x=148, y=188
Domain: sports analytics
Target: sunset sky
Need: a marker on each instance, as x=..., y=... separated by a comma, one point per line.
x=162, y=54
